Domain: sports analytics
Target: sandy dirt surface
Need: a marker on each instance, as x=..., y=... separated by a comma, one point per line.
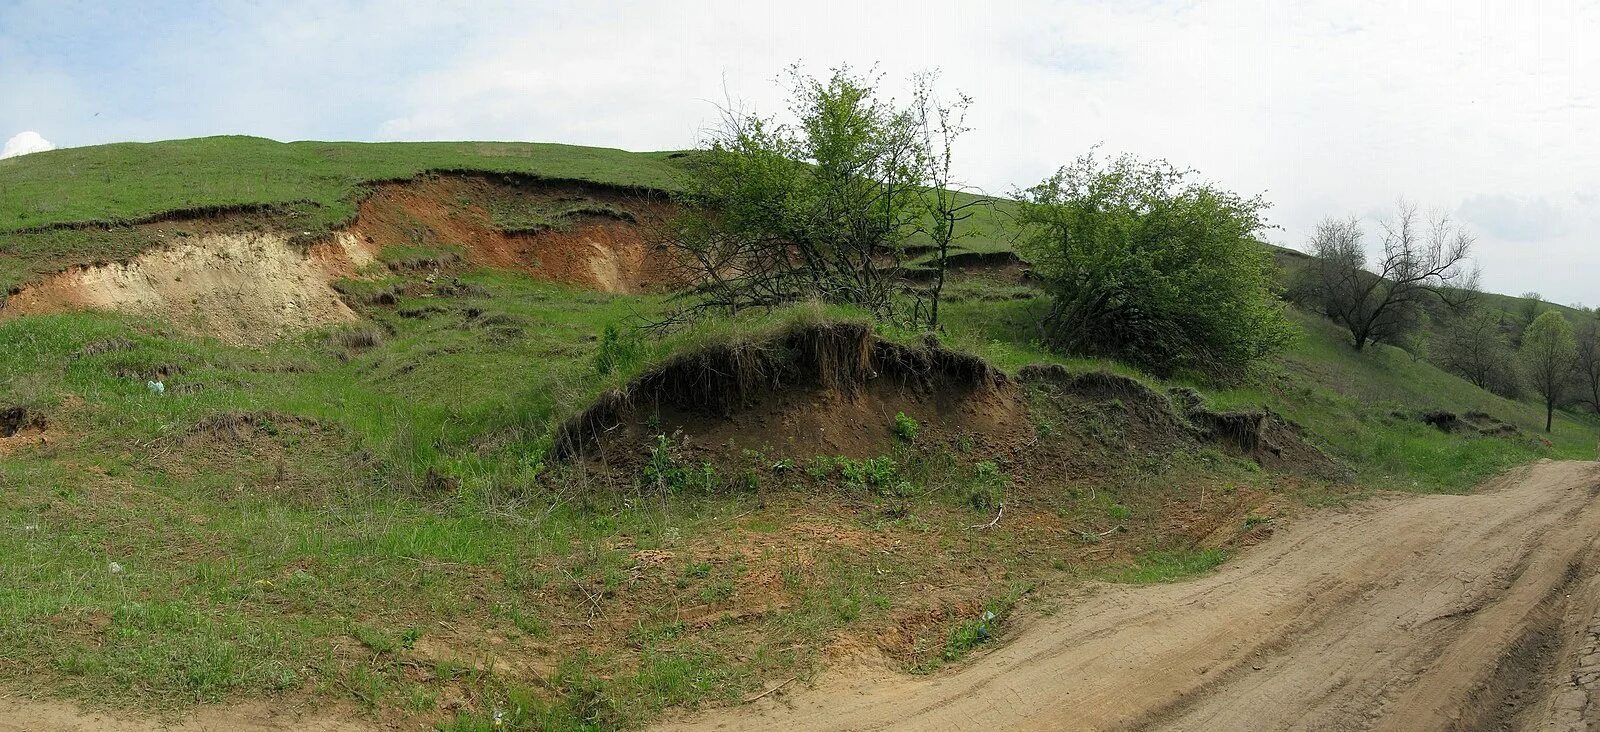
x=248, y=288
x=18, y=715
x=1403, y=613
x=1406, y=613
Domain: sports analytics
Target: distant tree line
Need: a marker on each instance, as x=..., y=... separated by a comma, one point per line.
x=1420, y=296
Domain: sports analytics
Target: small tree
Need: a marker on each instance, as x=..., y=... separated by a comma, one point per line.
x=1474, y=346
x=1143, y=263
x=941, y=123
x=1548, y=353
x=1383, y=305
x=816, y=208
x=1588, y=361
x=1530, y=307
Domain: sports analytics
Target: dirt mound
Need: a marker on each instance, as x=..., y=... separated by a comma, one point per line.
x=574, y=233
x=1483, y=423
x=815, y=390
x=236, y=427
x=22, y=427
x=1003, y=266
x=836, y=390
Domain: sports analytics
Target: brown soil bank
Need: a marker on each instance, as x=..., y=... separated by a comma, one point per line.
x=575, y=233
x=242, y=278
x=836, y=389
x=815, y=390
x=1415, y=613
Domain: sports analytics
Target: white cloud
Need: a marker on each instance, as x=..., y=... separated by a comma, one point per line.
x=23, y=143
x=1330, y=107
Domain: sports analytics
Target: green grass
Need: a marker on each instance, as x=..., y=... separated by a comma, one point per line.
x=309, y=187
x=1169, y=565
x=297, y=186
x=319, y=182
x=1362, y=406
x=324, y=515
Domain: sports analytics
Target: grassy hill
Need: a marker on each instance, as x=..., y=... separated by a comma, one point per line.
x=74, y=206
x=370, y=512
x=319, y=182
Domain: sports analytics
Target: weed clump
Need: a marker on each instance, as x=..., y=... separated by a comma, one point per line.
x=617, y=351
x=878, y=476
x=987, y=487
x=668, y=473
x=355, y=340
x=905, y=427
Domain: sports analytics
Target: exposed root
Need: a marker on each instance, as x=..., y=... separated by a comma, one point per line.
x=716, y=381
x=14, y=420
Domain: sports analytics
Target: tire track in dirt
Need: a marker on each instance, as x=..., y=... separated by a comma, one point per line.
x=1415, y=613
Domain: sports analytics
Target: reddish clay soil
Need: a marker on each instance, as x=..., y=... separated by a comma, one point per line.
x=599, y=252
x=245, y=279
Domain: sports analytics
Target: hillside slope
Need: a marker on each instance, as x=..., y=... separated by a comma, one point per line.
x=370, y=503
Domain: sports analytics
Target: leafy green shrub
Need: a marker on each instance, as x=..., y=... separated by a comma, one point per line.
x=880, y=475
x=905, y=427
x=1144, y=264
x=809, y=209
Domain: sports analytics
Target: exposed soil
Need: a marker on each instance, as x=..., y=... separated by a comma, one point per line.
x=22, y=427
x=20, y=715
x=14, y=420
x=1003, y=267
x=604, y=246
x=240, y=276
x=247, y=288
x=1415, y=613
x=817, y=390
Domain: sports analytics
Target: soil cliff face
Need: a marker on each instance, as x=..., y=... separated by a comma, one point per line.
x=244, y=280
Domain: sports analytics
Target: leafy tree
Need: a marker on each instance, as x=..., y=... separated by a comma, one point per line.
x=1588, y=361
x=1548, y=354
x=1144, y=263
x=816, y=208
x=1385, y=304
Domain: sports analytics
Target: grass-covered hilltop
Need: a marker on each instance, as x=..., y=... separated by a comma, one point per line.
x=583, y=438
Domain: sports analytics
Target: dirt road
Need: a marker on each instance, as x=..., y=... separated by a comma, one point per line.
x=1412, y=613
x=1408, y=613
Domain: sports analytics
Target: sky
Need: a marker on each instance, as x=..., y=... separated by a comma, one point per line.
x=1486, y=112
